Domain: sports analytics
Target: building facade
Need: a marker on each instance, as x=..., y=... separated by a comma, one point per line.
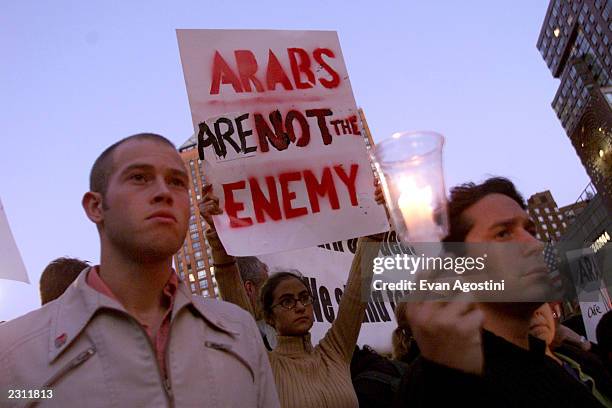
x=576, y=43
x=193, y=262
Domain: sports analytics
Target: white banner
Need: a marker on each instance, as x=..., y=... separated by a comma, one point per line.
x=278, y=129
x=11, y=264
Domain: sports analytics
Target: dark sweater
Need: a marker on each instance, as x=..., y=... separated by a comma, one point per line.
x=513, y=377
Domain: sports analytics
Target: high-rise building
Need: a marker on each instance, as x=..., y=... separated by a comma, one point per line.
x=576, y=43
x=545, y=213
x=193, y=262
x=552, y=221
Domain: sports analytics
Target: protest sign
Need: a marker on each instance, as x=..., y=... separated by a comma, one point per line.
x=591, y=289
x=11, y=264
x=278, y=129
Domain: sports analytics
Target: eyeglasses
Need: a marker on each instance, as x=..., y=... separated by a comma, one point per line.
x=290, y=302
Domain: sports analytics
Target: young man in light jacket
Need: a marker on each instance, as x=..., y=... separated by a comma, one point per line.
x=128, y=332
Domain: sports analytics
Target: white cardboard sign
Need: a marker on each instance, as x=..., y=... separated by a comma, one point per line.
x=278, y=129
x=11, y=264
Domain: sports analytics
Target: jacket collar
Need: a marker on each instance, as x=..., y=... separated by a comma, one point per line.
x=184, y=298
x=77, y=306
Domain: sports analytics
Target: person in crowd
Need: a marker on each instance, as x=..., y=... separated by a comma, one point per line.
x=603, y=332
x=254, y=273
x=128, y=332
x=376, y=378
x=481, y=354
x=583, y=366
x=305, y=376
x=57, y=276
x=405, y=349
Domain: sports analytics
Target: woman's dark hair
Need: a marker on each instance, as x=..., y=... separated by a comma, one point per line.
x=267, y=290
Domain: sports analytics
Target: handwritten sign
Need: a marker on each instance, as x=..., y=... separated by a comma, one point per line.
x=11, y=264
x=278, y=129
x=591, y=289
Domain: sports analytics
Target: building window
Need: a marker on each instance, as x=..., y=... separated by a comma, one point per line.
x=200, y=264
x=204, y=284
x=196, y=245
x=201, y=274
x=547, y=210
x=193, y=288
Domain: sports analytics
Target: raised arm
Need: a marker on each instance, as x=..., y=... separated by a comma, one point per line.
x=342, y=336
x=231, y=287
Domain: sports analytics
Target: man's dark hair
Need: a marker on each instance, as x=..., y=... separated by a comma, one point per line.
x=603, y=332
x=57, y=276
x=465, y=195
x=103, y=166
x=251, y=269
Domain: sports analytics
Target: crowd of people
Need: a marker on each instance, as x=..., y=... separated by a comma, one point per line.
x=128, y=332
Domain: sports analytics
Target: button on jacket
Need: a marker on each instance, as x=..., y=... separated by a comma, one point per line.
x=90, y=352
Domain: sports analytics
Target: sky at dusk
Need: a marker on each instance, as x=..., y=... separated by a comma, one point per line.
x=77, y=76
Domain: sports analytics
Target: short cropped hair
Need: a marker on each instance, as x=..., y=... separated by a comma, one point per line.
x=103, y=166
x=465, y=195
x=57, y=276
x=252, y=269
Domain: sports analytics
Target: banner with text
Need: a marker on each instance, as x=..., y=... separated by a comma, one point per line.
x=278, y=128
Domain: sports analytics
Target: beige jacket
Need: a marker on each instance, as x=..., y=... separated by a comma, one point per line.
x=91, y=353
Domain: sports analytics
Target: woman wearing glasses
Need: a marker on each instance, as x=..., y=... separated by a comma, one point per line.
x=305, y=376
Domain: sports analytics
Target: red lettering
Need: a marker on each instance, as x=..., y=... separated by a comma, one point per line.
x=288, y=196
x=223, y=74
x=232, y=207
x=275, y=74
x=247, y=68
x=323, y=188
x=349, y=181
x=301, y=67
x=318, y=57
x=261, y=204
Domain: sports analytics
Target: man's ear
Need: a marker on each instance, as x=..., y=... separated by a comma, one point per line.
x=249, y=287
x=92, y=204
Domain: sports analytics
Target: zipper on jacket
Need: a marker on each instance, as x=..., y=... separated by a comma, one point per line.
x=74, y=363
x=165, y=381
x=228, y=349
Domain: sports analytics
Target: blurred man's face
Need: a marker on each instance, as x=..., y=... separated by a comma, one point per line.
x=514, y=254
x=146, y=208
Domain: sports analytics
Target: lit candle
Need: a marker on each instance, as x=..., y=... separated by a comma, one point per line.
x=416, y=205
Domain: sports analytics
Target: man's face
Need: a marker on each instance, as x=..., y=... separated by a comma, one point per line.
x=514, y=254
x=146, y=209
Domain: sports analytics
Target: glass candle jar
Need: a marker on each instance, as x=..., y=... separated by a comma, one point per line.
x=409, y=165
